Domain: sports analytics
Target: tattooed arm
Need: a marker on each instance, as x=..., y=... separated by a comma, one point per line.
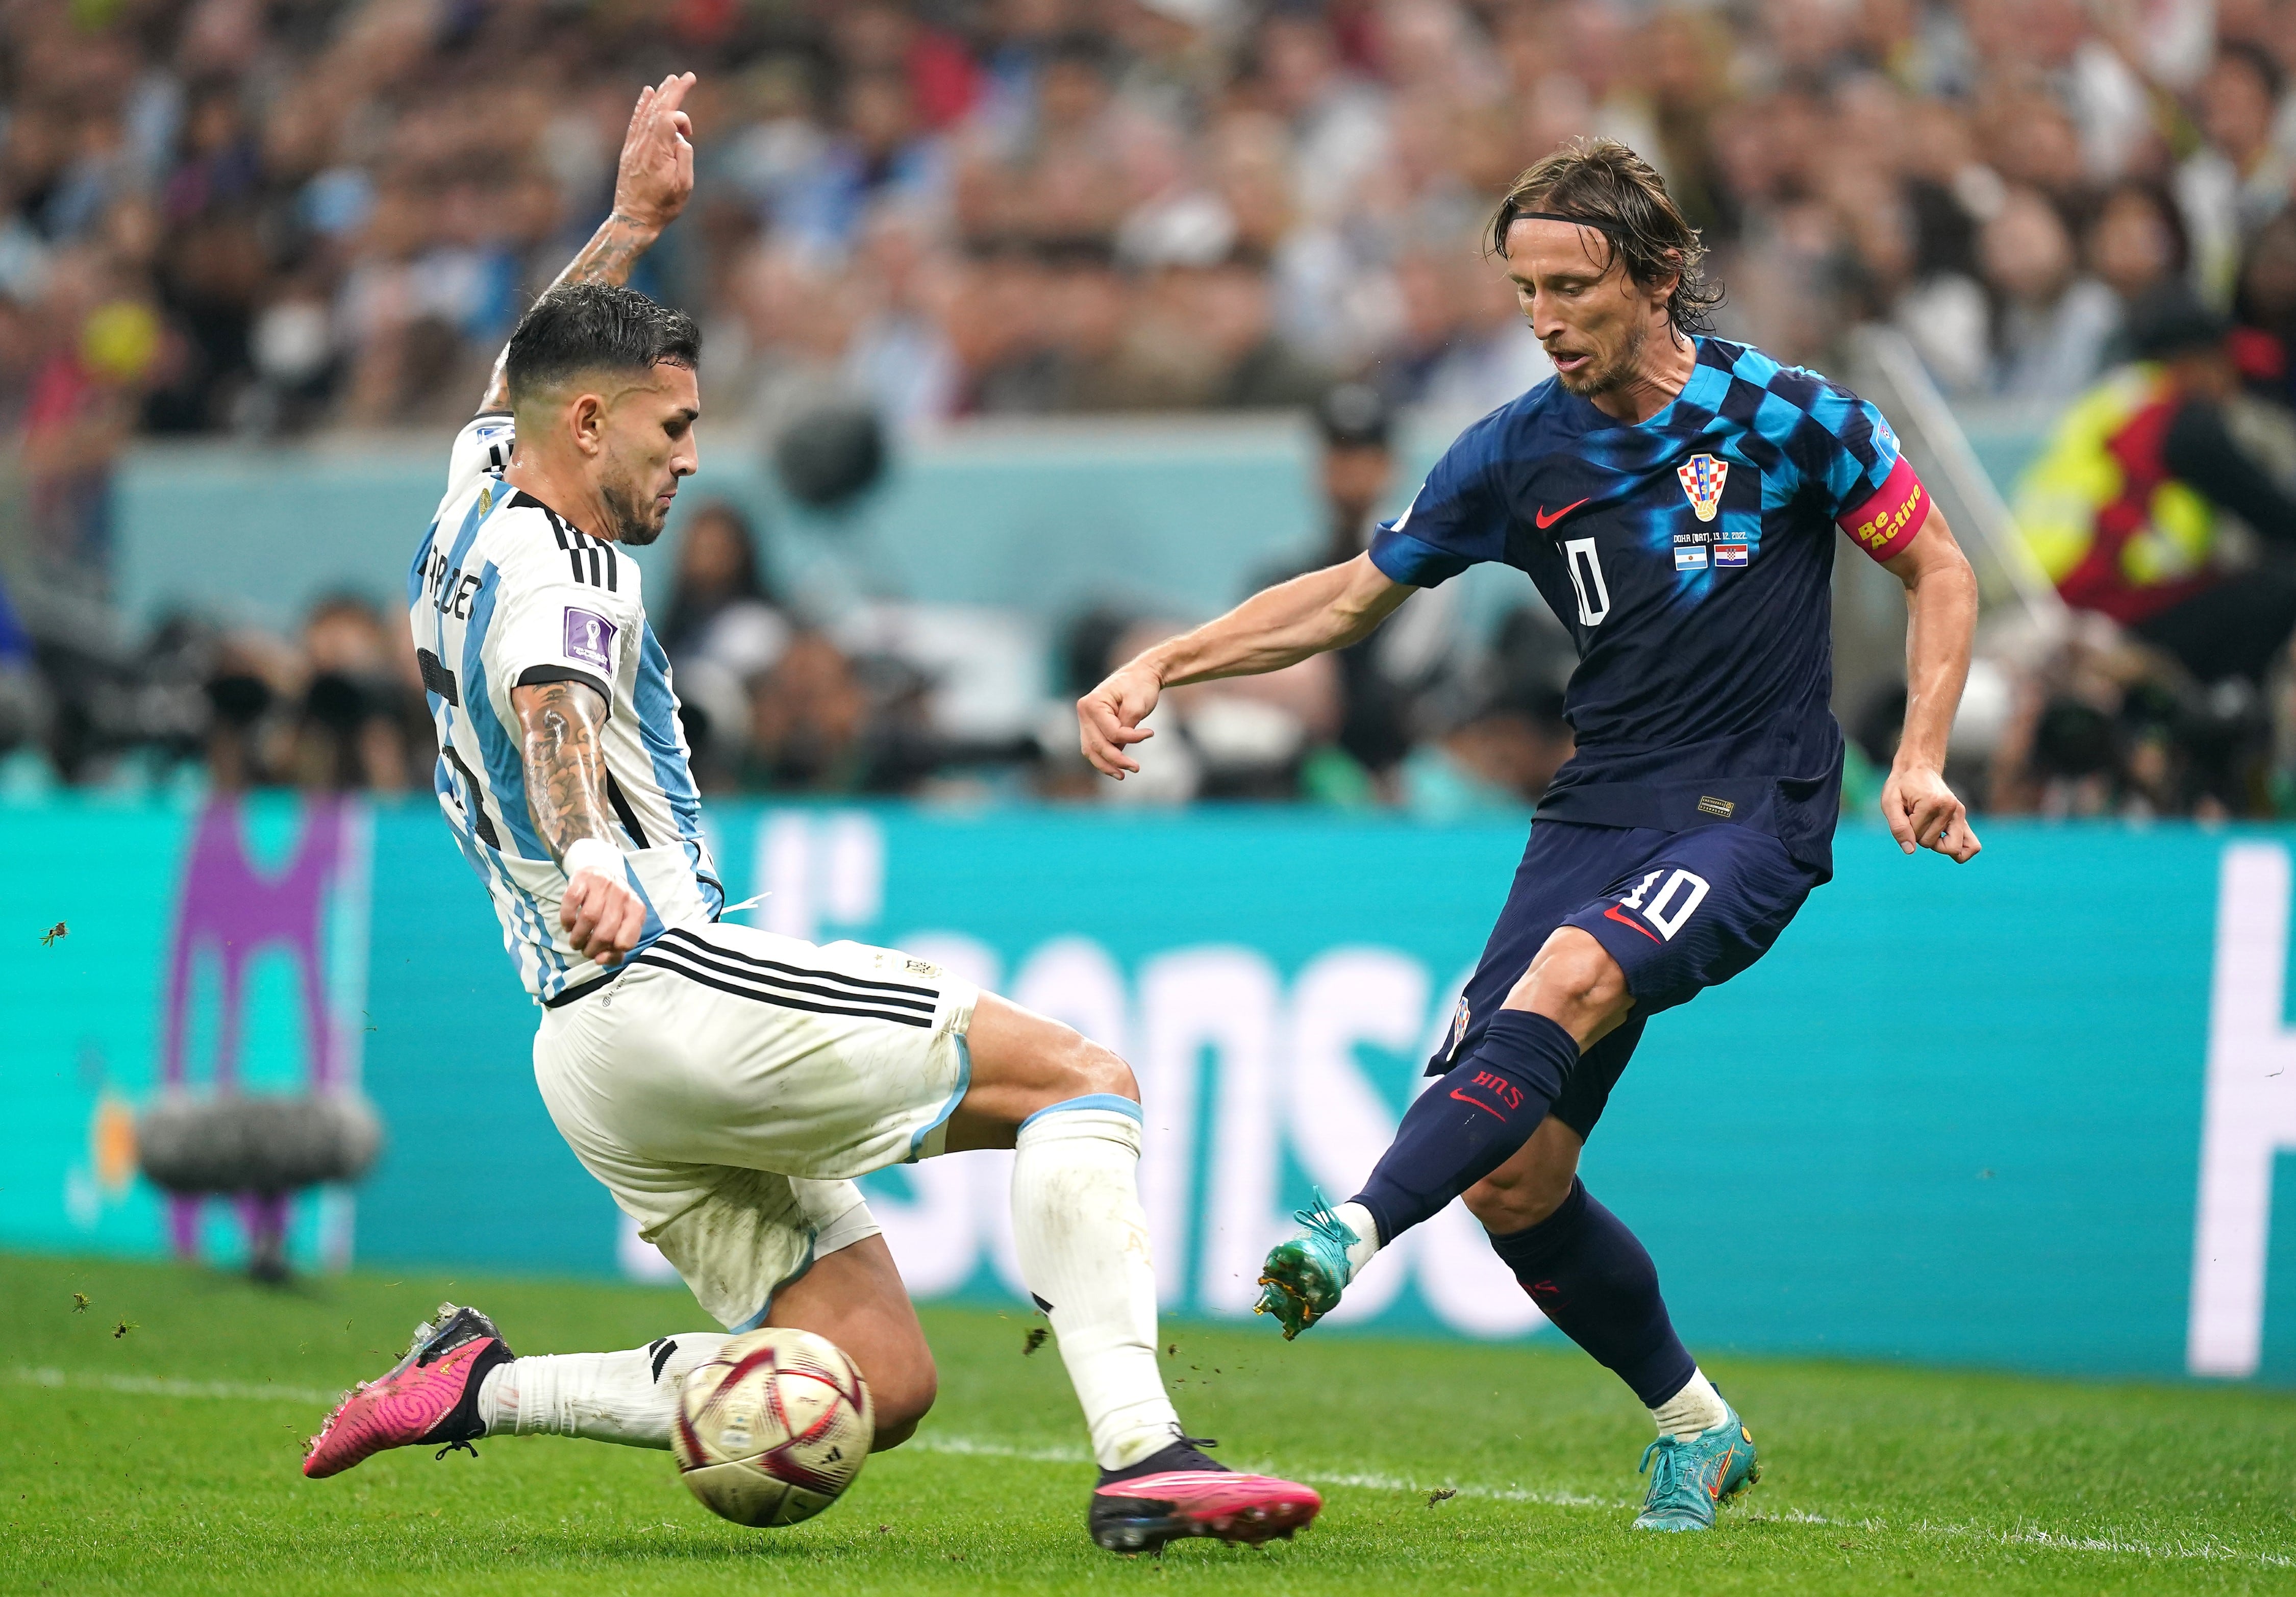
x=566, y=788
x=651, y=187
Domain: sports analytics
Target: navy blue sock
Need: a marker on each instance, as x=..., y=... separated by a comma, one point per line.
x=1470, y=1122
x=1585, y=1269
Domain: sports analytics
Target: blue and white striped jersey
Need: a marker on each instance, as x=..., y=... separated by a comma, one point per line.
x=505, y=593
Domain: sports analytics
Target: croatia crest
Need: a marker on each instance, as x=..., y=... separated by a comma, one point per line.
x=1702, y=477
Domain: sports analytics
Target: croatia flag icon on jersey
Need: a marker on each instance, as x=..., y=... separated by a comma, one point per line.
x=1702, y=477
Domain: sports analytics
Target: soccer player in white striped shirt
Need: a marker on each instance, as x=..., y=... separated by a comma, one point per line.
x=725, y=1083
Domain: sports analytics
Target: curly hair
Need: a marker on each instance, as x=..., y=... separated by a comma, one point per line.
x=1607, y=186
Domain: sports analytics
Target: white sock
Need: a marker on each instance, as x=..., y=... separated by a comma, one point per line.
x=1697, y=1407
x=628, y=1397
x=1357, y=1218
x=1083, y=1243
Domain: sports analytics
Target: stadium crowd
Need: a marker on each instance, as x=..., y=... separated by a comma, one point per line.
x=259, y=217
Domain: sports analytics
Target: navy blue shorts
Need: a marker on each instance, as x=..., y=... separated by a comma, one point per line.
x=1679, y=911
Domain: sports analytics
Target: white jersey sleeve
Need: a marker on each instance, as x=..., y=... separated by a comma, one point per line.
x=560, y=629
x=481, y=449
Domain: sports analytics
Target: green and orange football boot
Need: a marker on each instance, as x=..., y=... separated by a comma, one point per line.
x=1303, y=1278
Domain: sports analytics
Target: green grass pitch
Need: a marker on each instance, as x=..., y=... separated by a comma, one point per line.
x=165, y=1459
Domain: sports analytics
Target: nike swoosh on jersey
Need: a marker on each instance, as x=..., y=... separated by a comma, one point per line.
x=1612, y=914
x=1546, y=519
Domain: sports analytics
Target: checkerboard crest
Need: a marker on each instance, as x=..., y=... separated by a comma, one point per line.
x=1702, y=475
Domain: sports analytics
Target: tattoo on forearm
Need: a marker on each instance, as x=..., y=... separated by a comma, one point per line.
x=565, y=769
x=609, y=256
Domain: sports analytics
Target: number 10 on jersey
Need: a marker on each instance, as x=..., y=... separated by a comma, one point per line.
x=1586, y=570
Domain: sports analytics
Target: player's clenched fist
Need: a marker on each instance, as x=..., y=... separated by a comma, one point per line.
x=1922, y=813
x=1109, y=718
x=603, y=917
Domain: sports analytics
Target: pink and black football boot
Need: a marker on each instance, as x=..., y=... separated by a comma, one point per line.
x=1177, y=1492
x=429, y=1398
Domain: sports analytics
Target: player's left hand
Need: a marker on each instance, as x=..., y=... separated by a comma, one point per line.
x=656, y=173
x=603, y=917
x=1922, y=813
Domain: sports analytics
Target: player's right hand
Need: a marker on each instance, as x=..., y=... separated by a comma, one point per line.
x=1109, y=718
x=603, y=917
x=656, y=173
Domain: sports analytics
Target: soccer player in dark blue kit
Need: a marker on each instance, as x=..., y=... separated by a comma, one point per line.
x=1673, y=498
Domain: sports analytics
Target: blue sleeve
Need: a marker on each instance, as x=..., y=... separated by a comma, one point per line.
x=1853, y=452
x=1455, y=521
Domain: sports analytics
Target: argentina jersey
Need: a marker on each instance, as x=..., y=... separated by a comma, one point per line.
x=1691, y=556
x=504, y=592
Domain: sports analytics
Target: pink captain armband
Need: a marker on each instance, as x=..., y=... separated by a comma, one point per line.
x=1886, y=523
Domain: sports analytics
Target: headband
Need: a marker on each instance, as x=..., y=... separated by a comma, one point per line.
x=1599, y=223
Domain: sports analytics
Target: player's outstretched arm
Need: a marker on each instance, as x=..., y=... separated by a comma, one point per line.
x=566, y=788
x=1940, y=624
x=651, y=186
x=1275, y=628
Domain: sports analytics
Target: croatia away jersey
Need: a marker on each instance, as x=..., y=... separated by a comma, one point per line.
x=505, y=593
x=1691, y=555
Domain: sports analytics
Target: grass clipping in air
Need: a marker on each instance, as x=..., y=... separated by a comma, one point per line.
x=168, y=1461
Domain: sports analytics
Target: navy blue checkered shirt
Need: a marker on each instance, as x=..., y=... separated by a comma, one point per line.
x=1691, y=556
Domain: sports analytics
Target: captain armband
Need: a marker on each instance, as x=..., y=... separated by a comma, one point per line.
x=1886, y=523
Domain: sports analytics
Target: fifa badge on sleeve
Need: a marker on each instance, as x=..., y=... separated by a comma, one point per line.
x=1702, y=477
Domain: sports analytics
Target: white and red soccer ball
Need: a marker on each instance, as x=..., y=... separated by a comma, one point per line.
x=774, y=1429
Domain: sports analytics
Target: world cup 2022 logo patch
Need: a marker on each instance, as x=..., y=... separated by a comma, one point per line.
x=590, y=639
x=1702, y=477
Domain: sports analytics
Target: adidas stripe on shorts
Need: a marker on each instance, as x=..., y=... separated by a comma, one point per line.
x=729, y=1084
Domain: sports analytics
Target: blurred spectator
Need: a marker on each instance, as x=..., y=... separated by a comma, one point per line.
x=1036, y=205
x=2265, y=340
x=363, y=722
x=809, y=721
x=2136, y=243
x=1356, y=472
x=2053, y=323
x=231, y=218
x=722, y=626
x=2240, y=177
x=2124, y=509
x=1496, y=758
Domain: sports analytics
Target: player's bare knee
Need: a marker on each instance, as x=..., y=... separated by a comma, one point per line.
x=1573, y=980
x=1092, y=1069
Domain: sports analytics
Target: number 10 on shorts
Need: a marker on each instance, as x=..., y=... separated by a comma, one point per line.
x=1671, y=905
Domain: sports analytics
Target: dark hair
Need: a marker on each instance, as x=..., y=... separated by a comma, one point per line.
x=1611, y=189
x=2171, y=321
x=691, y=610
x=596, y=327
x=2259, y=61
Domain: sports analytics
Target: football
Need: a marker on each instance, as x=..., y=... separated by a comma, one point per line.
x=773, y=1429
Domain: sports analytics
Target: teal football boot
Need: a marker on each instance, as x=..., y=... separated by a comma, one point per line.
x=1693, y=1478
x=1303, y=1278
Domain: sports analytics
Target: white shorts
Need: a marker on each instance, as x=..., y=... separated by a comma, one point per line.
x=730, y=1083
